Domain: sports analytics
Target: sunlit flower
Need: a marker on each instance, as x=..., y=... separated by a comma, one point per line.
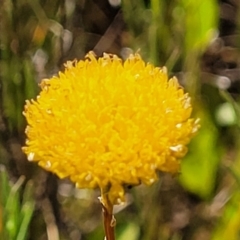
x=106, y=123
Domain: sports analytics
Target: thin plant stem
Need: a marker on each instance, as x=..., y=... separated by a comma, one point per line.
x=108, y=217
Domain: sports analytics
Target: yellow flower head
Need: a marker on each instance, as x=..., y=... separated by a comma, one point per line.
x=106, y=123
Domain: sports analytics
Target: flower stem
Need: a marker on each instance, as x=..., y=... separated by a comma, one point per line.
x=108, y=218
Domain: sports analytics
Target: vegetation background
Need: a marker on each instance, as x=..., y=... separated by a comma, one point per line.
x=199, y=42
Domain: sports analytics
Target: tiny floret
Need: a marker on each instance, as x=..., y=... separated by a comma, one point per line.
x=30, y=156
x=107, y=123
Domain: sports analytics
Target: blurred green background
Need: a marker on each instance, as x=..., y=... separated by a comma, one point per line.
x=199, y=42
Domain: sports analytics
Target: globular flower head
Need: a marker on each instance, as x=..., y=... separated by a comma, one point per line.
x=106, y=123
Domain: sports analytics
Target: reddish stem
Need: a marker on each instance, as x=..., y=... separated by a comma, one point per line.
x=108, y=218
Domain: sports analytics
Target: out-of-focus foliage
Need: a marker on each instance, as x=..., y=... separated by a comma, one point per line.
x=199, y=42
x=26, y=27
x=203, y=160
x=229, y=222
x=15, y=212
x=171, y=31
